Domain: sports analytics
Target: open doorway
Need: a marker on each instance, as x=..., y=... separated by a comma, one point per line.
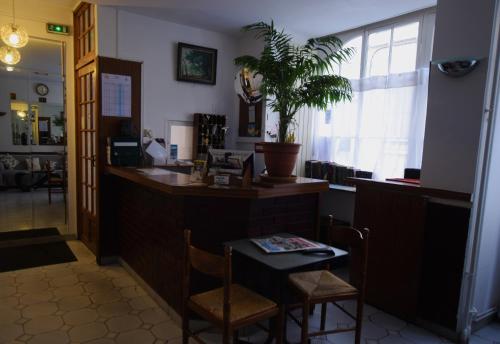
x=33, y=154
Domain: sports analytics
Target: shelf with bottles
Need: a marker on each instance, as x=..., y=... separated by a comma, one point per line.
x=209, y=132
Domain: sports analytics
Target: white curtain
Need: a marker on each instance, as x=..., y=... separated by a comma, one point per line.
x=381, y=130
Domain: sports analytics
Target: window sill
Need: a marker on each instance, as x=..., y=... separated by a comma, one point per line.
x=346, y=188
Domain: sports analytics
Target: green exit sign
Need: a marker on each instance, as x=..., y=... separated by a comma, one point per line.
x=58, y=29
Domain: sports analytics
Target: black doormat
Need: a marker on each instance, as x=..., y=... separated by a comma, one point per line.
x=30, y=256
x=29, y=233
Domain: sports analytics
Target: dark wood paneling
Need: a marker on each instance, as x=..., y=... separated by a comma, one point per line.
x=148, y=228
x=446, y=231
x=395, y=221
x=416, y=249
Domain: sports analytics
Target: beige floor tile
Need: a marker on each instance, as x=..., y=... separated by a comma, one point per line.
x=91, y=276
x=139, y=336
x=7, y=290
x=125, y=281
x=8, y=302
x=36, y=297
x=33, y=286
x=70, y=303
x=9, y=316
x=113, y=309
x=102, y=341
x=132, y=292
x=99, y=286
x=86, y=332
x=81, y=316
x=43, y=324
x=154, y=316
x=123, y=323
x=64, y=281
x=72, y=290
x=106, y=296
x=166, y=330
x=9, y=332
x=55, y=337
x=39, y=309
x=142, y=302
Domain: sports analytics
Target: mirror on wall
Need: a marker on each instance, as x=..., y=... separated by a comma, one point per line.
x=32, y=99
x=37, y=124
x=33, y=158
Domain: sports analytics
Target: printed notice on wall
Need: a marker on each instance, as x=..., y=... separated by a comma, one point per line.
x=116, y=95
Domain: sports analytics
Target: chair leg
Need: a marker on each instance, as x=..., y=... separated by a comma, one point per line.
x=185, y=327
x=323, y=316
x=280, y=321
x=359, y=321
x=236, y=335
x=226, y=335
x=305, y=321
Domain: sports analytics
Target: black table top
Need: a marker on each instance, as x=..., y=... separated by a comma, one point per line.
x=281, y=261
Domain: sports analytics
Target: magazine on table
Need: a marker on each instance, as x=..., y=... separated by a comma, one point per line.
x=279, y=244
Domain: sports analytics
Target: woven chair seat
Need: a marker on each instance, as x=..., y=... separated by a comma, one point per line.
x=321, y=284
x=244, y=303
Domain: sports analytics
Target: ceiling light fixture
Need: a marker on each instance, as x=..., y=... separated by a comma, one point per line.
x=9, y=55
x=14, y=35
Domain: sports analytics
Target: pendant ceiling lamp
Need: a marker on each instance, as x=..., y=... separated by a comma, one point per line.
x=9, y=55
x=14, y=35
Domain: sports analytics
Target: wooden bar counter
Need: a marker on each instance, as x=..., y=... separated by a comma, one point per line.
x=143, y=218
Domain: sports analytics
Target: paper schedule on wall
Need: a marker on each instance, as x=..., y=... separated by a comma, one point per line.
x=116, y=95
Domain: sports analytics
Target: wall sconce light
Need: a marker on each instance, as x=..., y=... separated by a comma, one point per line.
x=457, y=67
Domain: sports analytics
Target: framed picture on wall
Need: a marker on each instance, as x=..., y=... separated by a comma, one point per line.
x=196, y=64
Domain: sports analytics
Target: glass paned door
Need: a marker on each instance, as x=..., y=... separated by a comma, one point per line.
x=87, y=153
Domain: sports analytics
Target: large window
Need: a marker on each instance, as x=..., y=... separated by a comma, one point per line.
x=382, y=128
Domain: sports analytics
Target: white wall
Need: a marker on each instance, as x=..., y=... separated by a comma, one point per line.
x=455, y=105
x=33, y=15
x=130, y=36
x=487, y=292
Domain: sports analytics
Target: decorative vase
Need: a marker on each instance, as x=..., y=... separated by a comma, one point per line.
x=280, y=158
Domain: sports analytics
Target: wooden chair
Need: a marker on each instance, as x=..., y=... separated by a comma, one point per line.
x=56, y=183
x=228, y=308
x=323, y=287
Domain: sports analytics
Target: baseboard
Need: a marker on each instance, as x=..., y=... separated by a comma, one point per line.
x=438, y=329
x=484, y=318
x=161, y=302
x=69, y=237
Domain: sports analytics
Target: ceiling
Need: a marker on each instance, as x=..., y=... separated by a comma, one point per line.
x=39, y=59
x=309, y=18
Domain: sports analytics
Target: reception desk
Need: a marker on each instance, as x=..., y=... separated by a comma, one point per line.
x=144, y=216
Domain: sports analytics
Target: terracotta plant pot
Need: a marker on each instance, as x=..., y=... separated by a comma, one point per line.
x=280, y=158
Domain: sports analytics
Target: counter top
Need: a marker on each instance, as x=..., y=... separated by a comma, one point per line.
x=412, y=189
x=179, y=184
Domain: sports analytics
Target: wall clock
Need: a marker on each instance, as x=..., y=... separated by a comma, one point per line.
x=42, y=89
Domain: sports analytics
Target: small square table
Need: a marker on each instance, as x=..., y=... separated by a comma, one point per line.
x=267, y=273
x=274, y=268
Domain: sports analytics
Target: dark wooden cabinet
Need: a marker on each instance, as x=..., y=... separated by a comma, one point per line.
x=416, y=248
x=209, y=131
x=396, y=222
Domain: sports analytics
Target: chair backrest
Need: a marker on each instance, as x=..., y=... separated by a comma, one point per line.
x=209, y=264
x=357, y=242
x=412, y=173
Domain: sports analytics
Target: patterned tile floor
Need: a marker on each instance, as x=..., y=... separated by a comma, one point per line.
x=81, y=302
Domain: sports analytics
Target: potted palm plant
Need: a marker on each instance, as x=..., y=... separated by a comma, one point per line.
x=294, y=76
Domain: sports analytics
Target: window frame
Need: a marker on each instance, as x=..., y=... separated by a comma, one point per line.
x=364, y=31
